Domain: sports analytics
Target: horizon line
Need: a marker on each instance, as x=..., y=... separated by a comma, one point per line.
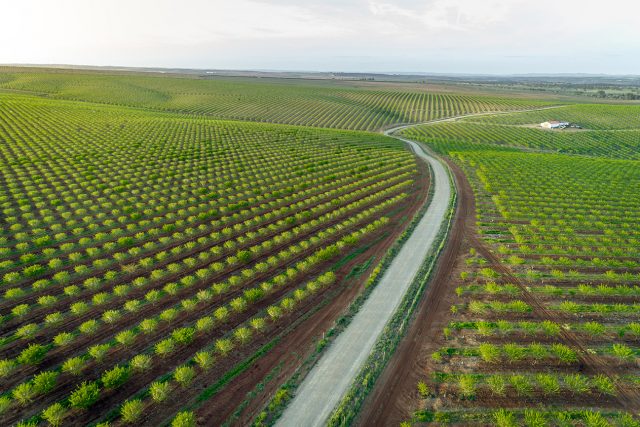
x=268, y=70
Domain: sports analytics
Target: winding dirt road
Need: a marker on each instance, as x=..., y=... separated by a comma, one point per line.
x=323, y=388
x=329, y=380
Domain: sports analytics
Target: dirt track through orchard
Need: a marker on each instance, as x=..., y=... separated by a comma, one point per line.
x=332, y=376
x=395, y=397
x=298, y=344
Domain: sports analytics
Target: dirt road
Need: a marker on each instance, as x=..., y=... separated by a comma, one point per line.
x=329, y=380
x=391, y=131
x=395, y=396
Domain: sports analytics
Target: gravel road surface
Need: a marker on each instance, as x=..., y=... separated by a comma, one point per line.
x=329, y=380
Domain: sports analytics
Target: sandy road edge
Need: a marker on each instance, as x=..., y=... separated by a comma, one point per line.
x=351, y=402
x=419, y=280
x=388, y=341
x=332, y=378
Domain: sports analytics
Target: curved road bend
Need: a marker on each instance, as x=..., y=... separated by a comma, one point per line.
x=329, y=380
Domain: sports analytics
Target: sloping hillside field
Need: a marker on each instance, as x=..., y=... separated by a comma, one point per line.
x=344, y=105
x=605, y=131
x=543, y=324
x=181, y=250
x=143, y=255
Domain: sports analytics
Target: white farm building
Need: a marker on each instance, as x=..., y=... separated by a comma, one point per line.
x=554, y=124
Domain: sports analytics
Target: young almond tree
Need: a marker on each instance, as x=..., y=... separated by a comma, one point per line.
x=184, y=375
x=204, y=359
x=85, y=395
x=24, y=393
x=141, y=363
x=45, y=381
x=159, y=390
x=184, y=419
x=224, y=346
x=55, y=414
x=131, y=410
x=243, y=334
x=115, y=377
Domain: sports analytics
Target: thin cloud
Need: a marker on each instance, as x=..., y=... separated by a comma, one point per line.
x=394, y=35
x=459, y=15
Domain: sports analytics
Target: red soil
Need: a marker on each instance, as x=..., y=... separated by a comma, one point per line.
x=295, y=347
x=394, y=398
x=234, y=393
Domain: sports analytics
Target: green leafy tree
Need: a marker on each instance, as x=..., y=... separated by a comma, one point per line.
x=578, y=384
x=548, y=383
x=521, y=384
x=534, y=418
x=89, y=327
x=24, y=393
x=73, y=366
x=126, y=338
x=242, y=334
x=99, y=351
x=32, y=355
x=115, y=377
x=5, y=402
x=159, y=390
x=131, y=410
x=622, y=351
x=147, y=326
x=165, y=347
x=467, y=386
x=258, y=323
x=489, y=353
x=6, y=367
x=497, y=384
x=224, y=346
x=205, y=324
x=513, y=352
x=423, y=389
x=55, y=414
x=141, y=363
x=564, y=353
x=183, y=336
x=504, y=418
x=604, y=385
x=45, y=381
x=84, y=395
x=184, y=375
x=63, y=338
x=204, y=359
x=184, y=419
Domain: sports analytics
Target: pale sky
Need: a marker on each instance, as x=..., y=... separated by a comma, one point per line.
x=446, y=36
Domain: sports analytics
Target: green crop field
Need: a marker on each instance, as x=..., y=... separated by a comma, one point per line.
x=590, y=116
x=143, y=252
x=545, y=324
x=308, y=103
x=606, y=131
x=161, y=234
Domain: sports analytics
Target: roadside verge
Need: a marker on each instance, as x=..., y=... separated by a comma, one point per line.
x=332, y=378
